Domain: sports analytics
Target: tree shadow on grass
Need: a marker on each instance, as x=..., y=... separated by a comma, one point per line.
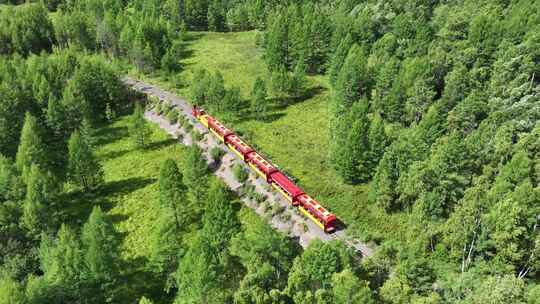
x=280, y=103
x=156, y=145
x=109, y=135
x=77, y=205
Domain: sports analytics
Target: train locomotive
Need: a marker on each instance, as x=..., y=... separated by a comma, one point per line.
x=298, y=198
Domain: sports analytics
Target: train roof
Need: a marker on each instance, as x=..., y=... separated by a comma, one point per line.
x=239, y=144
x=265, y=165
x=286, y=184
x=313, y=205
x=218, y=126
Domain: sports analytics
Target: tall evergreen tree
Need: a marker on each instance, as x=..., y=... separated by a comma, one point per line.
x=339, y=57
x=100, y=251
x=350, y=151
x=31, y=150
x=172, y=193
x=258, y=96
x=353, y=80
x=38, y=206
x=61, y=259
x=195, y=175
x=83, y=168
x=377, y=141
x=138, y=128
x=11, y=291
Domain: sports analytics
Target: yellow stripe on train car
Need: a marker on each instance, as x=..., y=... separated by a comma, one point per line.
x=314, y=219
x=282, y=192
x=204, y=120
x=236, y=151
x=217, y=134
x=257, y=170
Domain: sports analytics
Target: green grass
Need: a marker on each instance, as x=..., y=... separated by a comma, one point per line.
x=294, y=134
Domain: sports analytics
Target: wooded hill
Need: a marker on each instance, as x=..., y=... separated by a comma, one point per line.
x=433, y=108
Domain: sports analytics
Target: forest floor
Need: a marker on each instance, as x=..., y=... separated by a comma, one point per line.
x=284, y=217
x=294, y=133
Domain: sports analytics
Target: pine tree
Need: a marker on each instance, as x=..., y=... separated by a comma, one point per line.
x=298, y=79
x=259, y=95
x=216, y=92
x=41, y=190
x=87, y=133
x=339, y=57
x=220, y=223
x=61, y=258
x=377, y=141
x=84, y=169
x=31, y=150
x=11, y=291
x=55, y=118
x=138, y=128
x=277, y=42
x=195, y=175
x=216, y=18
x=99, y=248
x=353, y=81
x=172, y=194
x=350, y=152
x=144, y=300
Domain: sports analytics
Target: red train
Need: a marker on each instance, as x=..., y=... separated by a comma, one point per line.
x=307, y=205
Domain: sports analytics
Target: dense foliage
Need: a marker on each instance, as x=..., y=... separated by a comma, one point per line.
x=435, y=106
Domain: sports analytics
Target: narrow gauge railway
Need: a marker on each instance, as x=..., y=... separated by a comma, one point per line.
x=298, y=198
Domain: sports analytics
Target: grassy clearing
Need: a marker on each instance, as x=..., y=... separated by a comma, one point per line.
x=294, y=134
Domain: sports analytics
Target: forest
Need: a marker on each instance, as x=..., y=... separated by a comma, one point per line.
x=415, y=121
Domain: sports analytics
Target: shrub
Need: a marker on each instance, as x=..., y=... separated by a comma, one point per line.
x=172, y=116
x=240, y=173
x=196, y=135
x=216, y=153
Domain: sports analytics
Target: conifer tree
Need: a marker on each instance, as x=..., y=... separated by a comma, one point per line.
x=31, y=150
x=99, y=248
x=298, y=79
x=145, y=300
x=40, y=193
x=55, y=118
x=84, y=169
x=216, y=91
x=259, y=95
x=195, y=175
x=353, y=81
x=220, y=223
x=339, y=57
x=11, y=291
x=377, y=141
x=172, y=194
x=61, y=258
x=350, y=152
x=138, y=128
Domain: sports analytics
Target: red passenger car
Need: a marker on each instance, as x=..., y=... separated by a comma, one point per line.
x=261, y=166
x=312, y=209
x=284, y=185
x=238, y=146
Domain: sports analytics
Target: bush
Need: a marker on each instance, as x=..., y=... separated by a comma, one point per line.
x=216, y=153
x=196, y=135
x=172, y=116
x=240, y=173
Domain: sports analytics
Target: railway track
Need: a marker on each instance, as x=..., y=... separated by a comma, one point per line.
x=298, y=230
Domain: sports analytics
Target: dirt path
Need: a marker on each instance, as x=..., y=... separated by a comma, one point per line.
x=277, y=211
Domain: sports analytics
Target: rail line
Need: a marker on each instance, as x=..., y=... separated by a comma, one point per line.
x=314, y=230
